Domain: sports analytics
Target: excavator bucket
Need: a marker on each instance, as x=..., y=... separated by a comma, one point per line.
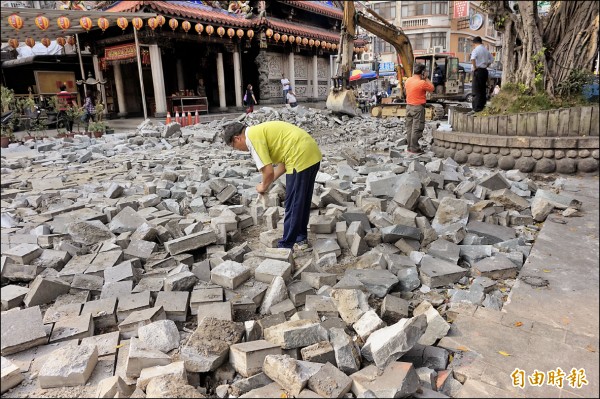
x=343, y=101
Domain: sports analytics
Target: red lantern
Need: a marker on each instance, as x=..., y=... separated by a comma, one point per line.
x=46, y=42
x=137, y=23
x=284, y=38
x=63, y=23
x=269, y=32
x=122, y=23
x=71, y=40
x=173, y=23
x=220, y=31
x=152, y=24
x=210, y=30
x=304, y=41
x=328, y=45
x=160, y=20
x=103, y=23
x=185, y=25
x=250, y=34
x=317, y=43
x=199, y=28
x=85, y=23
x=230, y=32
x=14, y=43
x=42, y=22
x=276, y=36
x=30, y=42
x=291, y=39
x=239, y=33
x=311, y=42
x=61, y=41
x=15, y=21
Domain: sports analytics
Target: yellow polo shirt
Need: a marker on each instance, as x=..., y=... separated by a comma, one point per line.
x=281, y=142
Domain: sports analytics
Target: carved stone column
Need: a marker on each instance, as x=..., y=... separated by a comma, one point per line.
x=158, y=80
x=237, y=78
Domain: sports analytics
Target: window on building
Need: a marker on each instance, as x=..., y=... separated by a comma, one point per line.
x=386, y=9
x=381, y=46
x=464, y=45
x=414, y=8
x=425, y=41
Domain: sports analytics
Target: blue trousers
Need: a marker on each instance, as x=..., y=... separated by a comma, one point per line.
x=298, y=196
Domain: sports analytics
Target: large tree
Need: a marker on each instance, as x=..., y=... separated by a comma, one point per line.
x=542, y=52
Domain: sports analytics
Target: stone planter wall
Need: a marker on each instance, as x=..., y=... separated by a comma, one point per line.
x=563, y=141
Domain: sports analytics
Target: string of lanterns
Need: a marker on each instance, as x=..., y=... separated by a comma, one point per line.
x=63, y=22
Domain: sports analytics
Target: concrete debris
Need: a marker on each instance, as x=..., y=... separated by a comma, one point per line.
x=154, y=249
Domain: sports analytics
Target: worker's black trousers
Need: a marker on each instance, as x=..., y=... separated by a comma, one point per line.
x=298, y=197
x=480, y=77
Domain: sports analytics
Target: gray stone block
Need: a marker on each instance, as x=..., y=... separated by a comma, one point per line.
x=68, y=366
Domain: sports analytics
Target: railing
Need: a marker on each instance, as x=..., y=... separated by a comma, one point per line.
x=415, y=22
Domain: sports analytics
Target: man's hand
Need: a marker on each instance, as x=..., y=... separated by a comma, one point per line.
x=261, y=188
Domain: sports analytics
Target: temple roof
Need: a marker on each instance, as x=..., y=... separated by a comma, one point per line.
x=320, y=7
x=184, y=9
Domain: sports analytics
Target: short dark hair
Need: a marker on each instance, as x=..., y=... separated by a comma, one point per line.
x=419, y=68
x=231, y=130
x=477, y=39
x=63, y=87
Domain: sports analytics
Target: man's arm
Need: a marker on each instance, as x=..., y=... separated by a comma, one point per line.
x=268, y=176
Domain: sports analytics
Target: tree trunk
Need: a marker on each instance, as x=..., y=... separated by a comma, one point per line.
x=571, y=36
x=567, y=39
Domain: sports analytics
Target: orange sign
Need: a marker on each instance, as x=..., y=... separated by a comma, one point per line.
x=121, y=52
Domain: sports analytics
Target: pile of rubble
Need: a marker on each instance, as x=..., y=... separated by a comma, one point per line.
x=150, y=269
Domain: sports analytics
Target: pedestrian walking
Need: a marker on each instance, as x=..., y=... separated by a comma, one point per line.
x=296, y=154
x=291, y=98
x=481, y=59
x=285, y=83
x=250, y=99
x=89, y=109
x=417, y=87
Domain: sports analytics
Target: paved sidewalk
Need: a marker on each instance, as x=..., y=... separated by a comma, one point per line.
x=540, y=328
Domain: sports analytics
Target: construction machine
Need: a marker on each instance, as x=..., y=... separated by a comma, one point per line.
x=342, y=98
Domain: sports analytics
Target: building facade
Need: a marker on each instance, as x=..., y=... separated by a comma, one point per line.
x=437, y=26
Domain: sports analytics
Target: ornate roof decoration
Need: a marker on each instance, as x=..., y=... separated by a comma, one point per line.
x=184, y=9
x=326, y=8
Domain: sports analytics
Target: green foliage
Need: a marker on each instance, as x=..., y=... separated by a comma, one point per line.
x=7, y=97
x=74, y=113
x=573, y=85
x=538, y=69
x=517, y=98
x=53, y=103
x=97, y=127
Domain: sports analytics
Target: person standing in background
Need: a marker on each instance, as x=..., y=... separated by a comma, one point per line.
x=417, y=87
x=65, y=101
x=285, y=83
x=291, y=98
x=250, y=99
x=481, y=59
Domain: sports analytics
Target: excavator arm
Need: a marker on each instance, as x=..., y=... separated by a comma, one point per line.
x=340, y=98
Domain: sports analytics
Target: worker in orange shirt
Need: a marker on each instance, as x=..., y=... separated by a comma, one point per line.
x=417, y=87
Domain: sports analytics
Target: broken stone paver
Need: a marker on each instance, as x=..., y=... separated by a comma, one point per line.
x=437, y=327
x=43, y=290
x=22, y=329
x=175, y=370
x=143, y=355
x=11, y=375
x=230, y=274
x=248, y=357
x=75, y=327
x=70, y=365
x=136, y=319
x=162, y=335
x=495, y=267
x=107, y=343
x=330, y=382
x=390, y=343
x=398, y=380
x=12, y=296
x=437, y=272
x=295, y=334
x=289, y=373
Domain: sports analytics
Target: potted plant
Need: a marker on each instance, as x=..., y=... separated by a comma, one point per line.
x=7, y=96
x=6, y=135
x=74, y=115
x=97, y=129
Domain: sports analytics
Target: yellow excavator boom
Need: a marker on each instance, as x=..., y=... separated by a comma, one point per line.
x=341, y=98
